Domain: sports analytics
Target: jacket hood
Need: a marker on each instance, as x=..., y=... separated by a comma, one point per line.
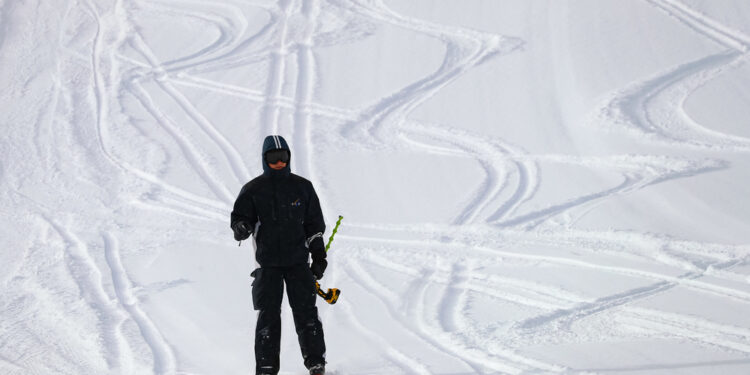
x=275, y=142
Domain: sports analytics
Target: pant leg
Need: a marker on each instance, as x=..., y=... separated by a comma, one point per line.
x=268, y=289
x=301, y=292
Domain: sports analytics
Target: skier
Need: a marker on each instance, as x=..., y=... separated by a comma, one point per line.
x=282, y=212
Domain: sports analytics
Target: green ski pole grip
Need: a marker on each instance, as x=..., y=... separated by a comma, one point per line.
x=336, y=228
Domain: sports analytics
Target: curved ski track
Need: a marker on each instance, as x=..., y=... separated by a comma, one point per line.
x=654, y=107
x=449, y=260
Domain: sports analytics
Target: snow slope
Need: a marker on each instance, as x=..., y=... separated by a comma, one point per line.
x=528, y=186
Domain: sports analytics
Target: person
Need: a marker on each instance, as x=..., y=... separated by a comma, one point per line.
x=282, y=212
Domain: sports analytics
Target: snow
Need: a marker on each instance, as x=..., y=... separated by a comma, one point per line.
x=527, y=186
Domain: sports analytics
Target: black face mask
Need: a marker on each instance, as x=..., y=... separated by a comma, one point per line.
x=275, y=156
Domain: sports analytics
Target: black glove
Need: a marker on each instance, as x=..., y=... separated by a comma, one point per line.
x=241, y=231
x=318, y=253
x=318, y=267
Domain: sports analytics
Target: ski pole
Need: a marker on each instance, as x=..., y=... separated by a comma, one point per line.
x=332, y=295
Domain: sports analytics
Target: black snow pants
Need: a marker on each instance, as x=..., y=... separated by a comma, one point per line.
x=268, y=290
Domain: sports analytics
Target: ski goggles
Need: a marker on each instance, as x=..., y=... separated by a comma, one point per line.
x=275, y=156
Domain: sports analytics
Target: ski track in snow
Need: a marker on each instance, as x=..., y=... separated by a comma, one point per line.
x=654, y=107
x=433, y=313
x=88, y=277
x=164, y=361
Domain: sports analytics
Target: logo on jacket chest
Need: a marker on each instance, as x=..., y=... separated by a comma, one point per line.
x=296, y=203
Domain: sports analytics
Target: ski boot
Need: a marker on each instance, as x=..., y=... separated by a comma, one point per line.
x=319, y=369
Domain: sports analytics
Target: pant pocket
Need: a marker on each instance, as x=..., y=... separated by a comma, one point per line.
x=301, y=287
x=268, y=289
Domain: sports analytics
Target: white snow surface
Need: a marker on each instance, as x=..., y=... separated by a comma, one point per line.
x=527, y=186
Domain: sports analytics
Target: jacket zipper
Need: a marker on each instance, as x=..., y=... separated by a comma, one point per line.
x=274, y=214
x=275, y=201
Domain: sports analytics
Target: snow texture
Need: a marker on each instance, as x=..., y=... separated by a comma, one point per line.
x=528, y=186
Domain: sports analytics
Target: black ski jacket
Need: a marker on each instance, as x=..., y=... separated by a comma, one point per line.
x=283, y=212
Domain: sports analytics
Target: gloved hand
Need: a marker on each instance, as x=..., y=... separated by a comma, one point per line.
x=318, y=253
x=318, y=267
x=241, y=231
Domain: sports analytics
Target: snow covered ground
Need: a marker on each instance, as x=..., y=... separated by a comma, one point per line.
x=527, y=186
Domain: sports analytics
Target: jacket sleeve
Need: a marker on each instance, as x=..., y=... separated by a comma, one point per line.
x=314, y=225
x=244, y=209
